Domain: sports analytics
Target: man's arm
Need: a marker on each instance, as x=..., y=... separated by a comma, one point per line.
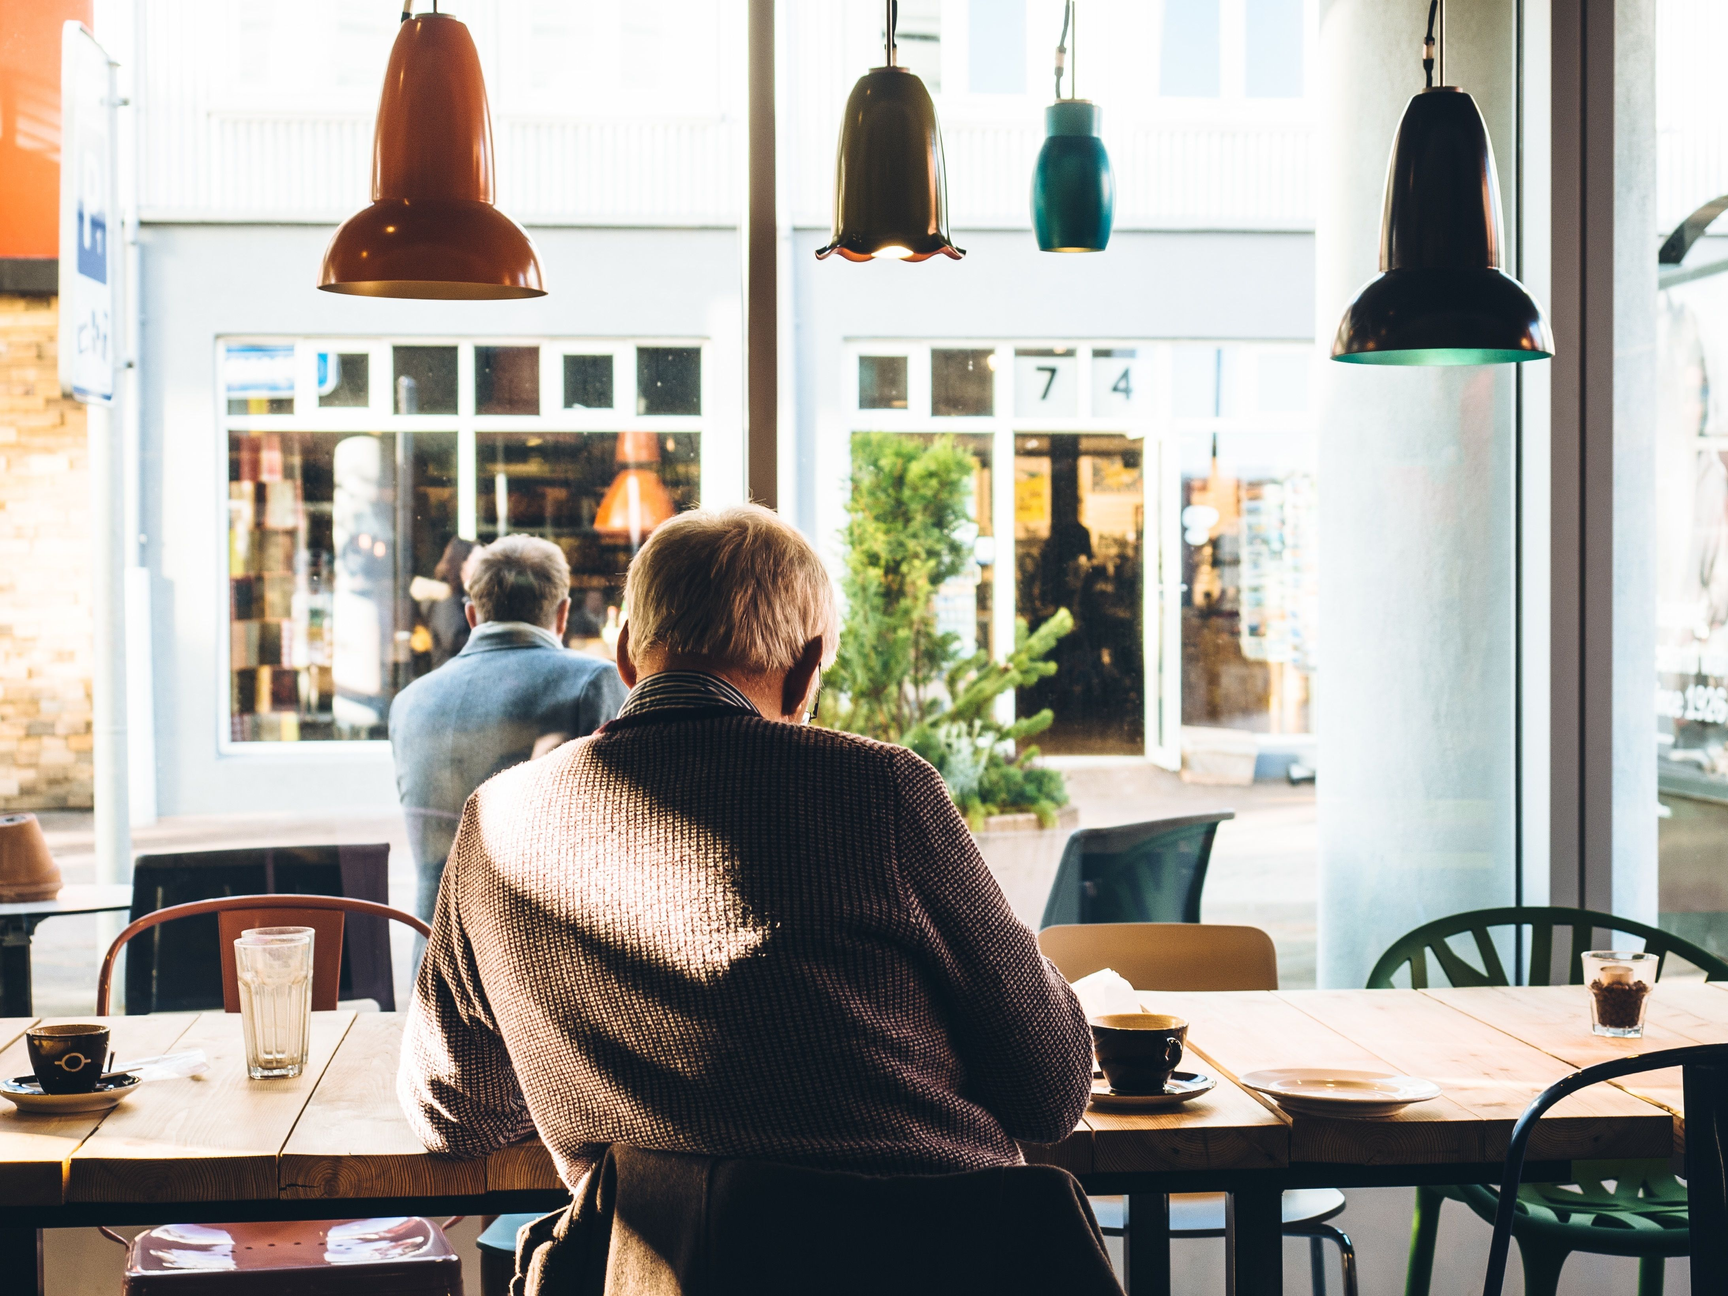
x=1016, y=1025
x=601, y=701
x=455, y=1081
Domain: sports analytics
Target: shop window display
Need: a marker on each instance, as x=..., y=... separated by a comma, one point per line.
x=326, y=533
x=597, y=495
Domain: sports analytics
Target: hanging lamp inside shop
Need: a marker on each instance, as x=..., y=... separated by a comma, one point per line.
x=1073, y=188
x=1441, y=297
x=890, y=190
x=432, y=230
x=637, y=501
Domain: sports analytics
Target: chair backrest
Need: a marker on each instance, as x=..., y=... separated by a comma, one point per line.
x=1144, y=872
x=1706, y=1107
x=1432, y=939
x=234, y=914
x=1165, y=956
x=178, y=968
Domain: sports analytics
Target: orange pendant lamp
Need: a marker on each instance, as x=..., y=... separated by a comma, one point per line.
x=432, y=231
x=637, y=501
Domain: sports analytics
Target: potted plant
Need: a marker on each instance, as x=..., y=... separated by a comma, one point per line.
x=900, y=679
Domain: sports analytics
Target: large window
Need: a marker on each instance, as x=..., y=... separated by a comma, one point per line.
x=361, y=473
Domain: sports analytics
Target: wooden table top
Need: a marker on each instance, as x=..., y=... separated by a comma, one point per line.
x=337, y=1133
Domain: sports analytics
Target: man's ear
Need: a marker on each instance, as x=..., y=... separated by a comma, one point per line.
x=626, y=667
x=799, y=680
x=472, y=613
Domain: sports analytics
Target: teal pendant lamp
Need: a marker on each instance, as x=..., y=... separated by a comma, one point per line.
x=1441, y=297
x=1073, y=188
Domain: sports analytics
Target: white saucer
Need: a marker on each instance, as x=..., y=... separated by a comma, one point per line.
x=25, y=1093
x=1183, y=1087
x=1312, y=1091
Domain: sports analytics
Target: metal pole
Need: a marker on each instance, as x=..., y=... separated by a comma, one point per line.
x=761, y=254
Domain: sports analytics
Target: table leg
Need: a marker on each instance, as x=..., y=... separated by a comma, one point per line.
x=1706, y=1091
x=21, y=1253
x=1146, y=1244
x=15, y=998
x=1254, y=1243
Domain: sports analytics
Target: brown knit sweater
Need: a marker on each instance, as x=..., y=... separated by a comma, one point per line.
x=701, y=931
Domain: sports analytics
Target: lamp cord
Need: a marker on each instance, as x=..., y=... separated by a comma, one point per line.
x=1061, y=49
x=893, y=20
x=1428, y=45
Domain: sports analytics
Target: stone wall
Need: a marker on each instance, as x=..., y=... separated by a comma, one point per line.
x=45, y=614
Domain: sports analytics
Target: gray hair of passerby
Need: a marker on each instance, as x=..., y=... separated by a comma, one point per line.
x=517, y=578
x=736, y=585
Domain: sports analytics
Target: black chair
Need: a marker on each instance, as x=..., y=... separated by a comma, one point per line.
x=1706, y=1101
x=1144, y=872
x=177, y=967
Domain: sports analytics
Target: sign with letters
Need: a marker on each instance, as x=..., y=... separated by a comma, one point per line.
x=89, y=218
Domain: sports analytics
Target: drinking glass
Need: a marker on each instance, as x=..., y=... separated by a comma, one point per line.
x=274, y=965
x=1620, y=983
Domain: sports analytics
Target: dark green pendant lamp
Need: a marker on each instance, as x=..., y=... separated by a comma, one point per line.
x=1073, y=188
x=1441, y=297
x=890, y=189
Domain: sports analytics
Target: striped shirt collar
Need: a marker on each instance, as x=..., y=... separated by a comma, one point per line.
x=683, y=690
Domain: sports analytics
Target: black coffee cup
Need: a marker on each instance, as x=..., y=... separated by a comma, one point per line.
x=1138, y=1051
x=67, y=1059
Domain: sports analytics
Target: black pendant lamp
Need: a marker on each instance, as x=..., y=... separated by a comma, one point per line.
x=1441, y=297
x=890, y=191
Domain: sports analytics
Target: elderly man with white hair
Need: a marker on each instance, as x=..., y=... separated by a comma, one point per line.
x=713, y=928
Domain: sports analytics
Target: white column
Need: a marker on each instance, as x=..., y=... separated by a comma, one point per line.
x=1417, y=585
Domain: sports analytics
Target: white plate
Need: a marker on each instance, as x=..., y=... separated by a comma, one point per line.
x=1184, y=1086
x=1311, y=1091
x=26, y=1094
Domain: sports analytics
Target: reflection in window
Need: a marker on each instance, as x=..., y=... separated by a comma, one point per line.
x=324, y=547
x=258, y=379
x=425, y=379
x=506, y=380
x=1079, y=527
x=996, y=33
x=668, y=380
x=1188, y=64
x=1274, y=49
x=1250, y=581
x=597, y=495
x=881, y=382
x=344, y=379
x=588, y=382
x=962, y=383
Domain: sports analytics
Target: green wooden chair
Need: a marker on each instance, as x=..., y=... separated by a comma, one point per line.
x=1644, y=1213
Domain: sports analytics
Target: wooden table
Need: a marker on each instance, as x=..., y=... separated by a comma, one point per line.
x=19, y=920
x=334, y=1143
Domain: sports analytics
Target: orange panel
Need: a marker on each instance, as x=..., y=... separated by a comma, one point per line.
x=30, y=123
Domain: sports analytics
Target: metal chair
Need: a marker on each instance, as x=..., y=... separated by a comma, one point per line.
x=1706, y=1101
x=1144, y=872
x=176, y=970
x=404, y=1256
x=1197, y=956
x=1645, y=1213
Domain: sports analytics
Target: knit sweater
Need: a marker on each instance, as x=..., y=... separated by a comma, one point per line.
x=702, y=931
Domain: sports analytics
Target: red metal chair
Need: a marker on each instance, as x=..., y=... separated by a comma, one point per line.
x=404, y=1256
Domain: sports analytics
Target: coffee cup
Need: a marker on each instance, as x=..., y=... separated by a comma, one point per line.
x=67, y=1059
x=1138, y=1051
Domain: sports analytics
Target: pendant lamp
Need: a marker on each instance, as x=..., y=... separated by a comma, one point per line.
x=637, y=501
x=1441, y=297
x=1073, y=188
x=890, y=191
x=432, y=230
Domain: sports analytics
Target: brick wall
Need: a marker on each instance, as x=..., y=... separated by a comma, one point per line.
x=45, y=663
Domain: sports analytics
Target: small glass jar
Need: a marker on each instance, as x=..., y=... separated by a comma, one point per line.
x=1620, y=984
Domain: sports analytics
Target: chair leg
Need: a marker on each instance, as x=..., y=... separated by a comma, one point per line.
x=1317, y=1266
x=1542, y=1265
x=1424, y=1228
x=1651, y=1271
x=1346, y=1255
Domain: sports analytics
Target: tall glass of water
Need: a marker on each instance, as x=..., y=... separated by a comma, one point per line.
x=275, y=972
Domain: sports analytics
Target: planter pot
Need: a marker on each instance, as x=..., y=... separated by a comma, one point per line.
x=1023, y=855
